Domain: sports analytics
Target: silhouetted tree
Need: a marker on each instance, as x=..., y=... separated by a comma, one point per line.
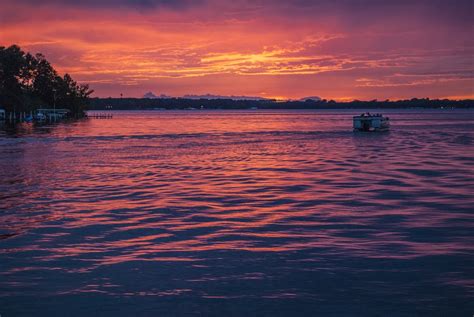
x=28, y=82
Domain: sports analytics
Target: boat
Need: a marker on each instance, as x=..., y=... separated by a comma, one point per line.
x=40, y=117
x=367, y=122
x=51, y=114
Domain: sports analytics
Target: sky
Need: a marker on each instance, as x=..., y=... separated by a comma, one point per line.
x=339, y=49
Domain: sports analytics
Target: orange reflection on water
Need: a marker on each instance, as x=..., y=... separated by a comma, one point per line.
x=172, y=186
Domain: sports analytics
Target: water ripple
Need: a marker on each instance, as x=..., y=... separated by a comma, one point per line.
x=240, y=208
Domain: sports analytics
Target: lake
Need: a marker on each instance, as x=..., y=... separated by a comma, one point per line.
x=238, y=213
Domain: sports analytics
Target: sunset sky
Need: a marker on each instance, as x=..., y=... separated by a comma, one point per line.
x=339, y=49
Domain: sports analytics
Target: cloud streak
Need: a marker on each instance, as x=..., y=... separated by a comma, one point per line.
x=341, y=49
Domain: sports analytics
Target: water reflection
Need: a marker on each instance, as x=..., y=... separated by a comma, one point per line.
x=244, y=207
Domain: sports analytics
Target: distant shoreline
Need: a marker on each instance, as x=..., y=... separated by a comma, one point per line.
x=229, y=104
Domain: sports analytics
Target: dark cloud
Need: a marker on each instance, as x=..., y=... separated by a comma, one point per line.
x=359, y=11
x=139, y=4
x=366, y=10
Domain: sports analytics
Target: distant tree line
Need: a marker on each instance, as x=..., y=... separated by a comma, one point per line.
x=29, y=82
x=181, y=103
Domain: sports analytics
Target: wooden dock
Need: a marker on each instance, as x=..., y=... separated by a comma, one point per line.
x=100, y=116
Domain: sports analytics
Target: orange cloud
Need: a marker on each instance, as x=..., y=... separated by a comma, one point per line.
x=246, y=49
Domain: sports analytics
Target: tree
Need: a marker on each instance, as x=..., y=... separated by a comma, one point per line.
x=28, y=82
x=13, y=74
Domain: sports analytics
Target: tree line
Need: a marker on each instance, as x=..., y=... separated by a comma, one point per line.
x=183, y=103
x=29, y=82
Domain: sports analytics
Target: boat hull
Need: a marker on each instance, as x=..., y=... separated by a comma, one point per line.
x=365, y=123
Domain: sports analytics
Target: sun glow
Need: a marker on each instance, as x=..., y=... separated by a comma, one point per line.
x=243, y=49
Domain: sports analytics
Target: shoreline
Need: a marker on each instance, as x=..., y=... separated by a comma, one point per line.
x=104, y=104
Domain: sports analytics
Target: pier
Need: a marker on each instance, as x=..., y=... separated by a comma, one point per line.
x=100, y=116
x=47, y=115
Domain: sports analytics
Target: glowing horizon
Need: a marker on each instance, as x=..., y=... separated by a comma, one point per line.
x=359, y=49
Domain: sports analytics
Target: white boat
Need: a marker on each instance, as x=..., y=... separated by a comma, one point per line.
x=51, y=114
x=367, y=122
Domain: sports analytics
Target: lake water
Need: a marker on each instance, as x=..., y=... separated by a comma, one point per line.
x=238, y=213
